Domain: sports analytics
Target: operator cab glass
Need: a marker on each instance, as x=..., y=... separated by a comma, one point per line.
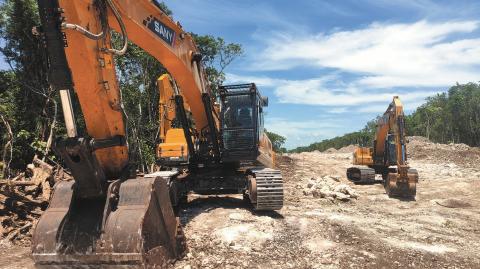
x=238, y=112
x=241, y=121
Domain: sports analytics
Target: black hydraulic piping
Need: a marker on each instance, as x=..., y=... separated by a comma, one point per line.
x=211, y=123
x=185, y=124
x=197, y=58
x=51, y=16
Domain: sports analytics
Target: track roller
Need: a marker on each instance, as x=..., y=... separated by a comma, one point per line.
x=265, y=189
x=360, y=175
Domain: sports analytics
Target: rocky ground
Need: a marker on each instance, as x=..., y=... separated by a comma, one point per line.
x=327, y=222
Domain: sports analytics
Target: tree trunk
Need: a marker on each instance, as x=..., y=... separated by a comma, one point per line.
x=53, y=125
x=8, y=147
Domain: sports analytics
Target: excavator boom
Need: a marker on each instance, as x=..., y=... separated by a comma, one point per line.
x=388, y=157
x=108, y=217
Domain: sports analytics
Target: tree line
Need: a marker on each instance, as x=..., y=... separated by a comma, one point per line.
x=449, y=117
x=362, y=137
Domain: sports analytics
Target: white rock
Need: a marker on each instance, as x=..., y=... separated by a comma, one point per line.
x=342, y=197
x=343, y=188
x=236, y=216
x=450, y=165
x=325, y=193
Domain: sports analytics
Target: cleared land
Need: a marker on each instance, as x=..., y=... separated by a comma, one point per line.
x=359, y=228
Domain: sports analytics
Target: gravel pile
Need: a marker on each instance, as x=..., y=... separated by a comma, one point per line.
x=420, y=148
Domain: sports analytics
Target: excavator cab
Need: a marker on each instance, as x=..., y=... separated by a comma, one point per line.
x=241, y=121
x=390, y=150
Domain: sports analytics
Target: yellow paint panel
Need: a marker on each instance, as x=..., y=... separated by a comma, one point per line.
x=175, y=145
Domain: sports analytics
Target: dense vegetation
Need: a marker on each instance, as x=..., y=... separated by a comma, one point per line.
x=451, y=117
x=363, y=137
x=277, y=141
x=30, y=114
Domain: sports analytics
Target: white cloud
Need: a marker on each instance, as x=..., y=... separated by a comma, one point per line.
x=338, y=110
x=318, y=91
x=300, y=132
x=421, y=54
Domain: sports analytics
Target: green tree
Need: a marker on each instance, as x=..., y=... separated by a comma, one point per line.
x=444, y=118
x=277, y=141
x=164, y=7
x=31, y=107
x=137, y=73
x=217, y=55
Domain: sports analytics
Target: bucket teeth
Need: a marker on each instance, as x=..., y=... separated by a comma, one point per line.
x=140, y=230
x=402, y=185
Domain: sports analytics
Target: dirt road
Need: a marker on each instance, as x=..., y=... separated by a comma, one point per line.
x=440, y=229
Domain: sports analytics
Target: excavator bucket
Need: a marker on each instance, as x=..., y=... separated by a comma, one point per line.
x=402, y=183
x=135, y=227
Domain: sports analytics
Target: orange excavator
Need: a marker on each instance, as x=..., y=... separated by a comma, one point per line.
x=388, y=157
x=240, y=160
x=109, y=217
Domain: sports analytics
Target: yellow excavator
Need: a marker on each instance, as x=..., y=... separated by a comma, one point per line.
x=109, y=217
x=388, y=157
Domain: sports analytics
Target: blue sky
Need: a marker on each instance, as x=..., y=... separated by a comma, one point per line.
x=330, y=66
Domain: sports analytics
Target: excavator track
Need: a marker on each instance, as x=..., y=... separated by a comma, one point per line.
x=360, y=175
x=265, y=189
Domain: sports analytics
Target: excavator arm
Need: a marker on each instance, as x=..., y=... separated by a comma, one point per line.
x=388, y=157
x=105, y=217
x=176, y=144
x=78, y=41
x=390, y=136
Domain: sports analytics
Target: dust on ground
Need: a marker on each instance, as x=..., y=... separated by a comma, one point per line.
x=327, y=229
x=440, y=229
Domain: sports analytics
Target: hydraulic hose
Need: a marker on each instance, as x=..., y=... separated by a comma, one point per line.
x=122, y=27
x=84, y=31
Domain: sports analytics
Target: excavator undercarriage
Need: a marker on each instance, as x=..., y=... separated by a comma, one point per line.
x=396, y=184
x=245, y=165
x=361, y=175
x=388, y=156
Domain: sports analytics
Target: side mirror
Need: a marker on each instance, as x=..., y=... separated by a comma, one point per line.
x=265, y=101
